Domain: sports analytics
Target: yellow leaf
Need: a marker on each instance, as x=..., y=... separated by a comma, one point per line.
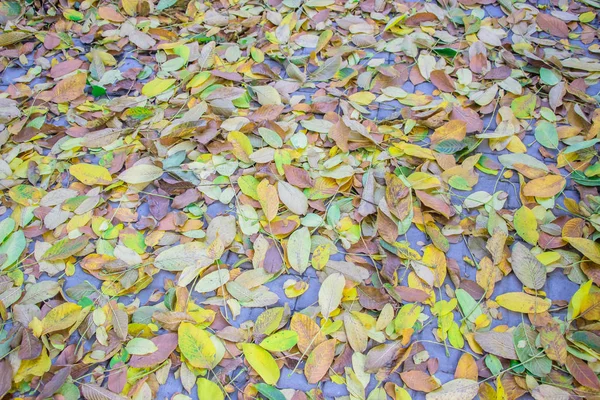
x=196, y=346
x=415, y=151
x=436, y=259
x=523, y=302
x=130, y=6
x=526, y=225
x=207, y=389
x=587, y=247
x=157, y=86
x=262, y=362
x=32, y=368
x=268, y=199
x=320, y=256
x=60, y=317
x=362, y=98
x=547, y=186
x=242, y=147
x=590, y=308
x=91, y=174
x=577, y=300
x=467, y=368
x=267, y=95
x=69, y=88
x=142, y=173
x=400, y=393
x=423, y=181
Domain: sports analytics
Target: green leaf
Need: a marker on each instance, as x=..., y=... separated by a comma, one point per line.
x=581, y=146
x=98, y=91
x=524, y=337
x=546, y=134
x=580, y=178
x=65, y=248
x=445, y=52
x=589, y=339
x=270, y=392
x=72, y=15
x=139, y=113
x=141, y=346
x=549, y=77
x=524, y=106
x=449, y=146
x=280, y=341
x=298, y=249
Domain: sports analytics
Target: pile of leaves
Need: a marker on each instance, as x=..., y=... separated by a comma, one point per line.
x=291, y=199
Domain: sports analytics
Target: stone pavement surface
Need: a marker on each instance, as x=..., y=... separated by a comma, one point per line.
x=557, y=288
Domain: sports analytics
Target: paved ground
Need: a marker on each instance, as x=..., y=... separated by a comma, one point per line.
x=559, y=287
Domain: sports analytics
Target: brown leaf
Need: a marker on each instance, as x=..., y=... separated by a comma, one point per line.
x=6, y=375
x=582, y=372
x=554, y=343
x=466, y=368
x=297, y=176
x=382, y=356
x=31, y=346
x=497, y=343
x=95, y=392
x=442, y=81
x=552, y=25
x=420, y=381
x=55, y=383
x=547, y=186
x=319, y=361
x=166, y=345
x=372, y=298
x=419, y=18
x=309, y=334
x=69, y=88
